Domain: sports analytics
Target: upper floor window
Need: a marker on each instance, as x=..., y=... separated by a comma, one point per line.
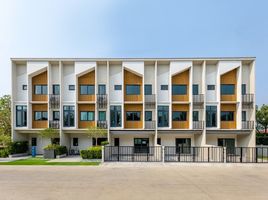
x=148, y=115
x=148, y=89
x=163, y=116
x=244, y=89
x=117, y=87
x=71, y=87
x=195, y=89
x=102, y=115
x=40, y=89
x=56, y=89
x=179, y=89
x=102, y=89
x=227, y=89
x=21, y=116
x=133, y=116
x=227, y=116
x=68, y=116
x=179, y=116
x=244, y=115
x=133, y=89
x=40, y=115
x=56, y=115
x=87, y=89
x=75, y=142
x=210, y=87
x=164, y=87
x=24, y=87
x=211, y=116
x=195, y=116
x=115, y=116
x=87, y=116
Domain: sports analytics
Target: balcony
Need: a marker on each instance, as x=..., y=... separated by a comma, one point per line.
x=149, y=101
x=102, y=101
x=248, y=125
x=198, y=99
x=54, y=101
x=54, y=124
x=150, y=124
x=198, y=125
x=247, y=98
x=102, y=124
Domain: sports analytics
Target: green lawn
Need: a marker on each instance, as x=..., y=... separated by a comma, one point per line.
x=41, y=161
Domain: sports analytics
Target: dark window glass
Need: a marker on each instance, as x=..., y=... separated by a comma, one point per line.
x=163, y=116
x=71, y=87
x=68, y=116
x=94, y=141
x=56, y=115
x=148, y=89
x=115, y=116
x=102, y=89
x=55, y=141
x=164, y=87
x=40, y=89
x=75, y=142
x=21, y=116
x=229, y=143
x=116, y=142
x=24, y=87
x=159, y=141
x=195, y=116
x=183, y=145
x=117, y=87
x=56, y=89
x=195, y=89
x=244, y=116
x=133, y=116
x=133, y=89
x=244, y=89
x=179, y=116
x=227, y=116
x=102, y=116
x=148, y=116
x=141, y=145
x=87, y=89
x=227, y=89
x=210, y=87
x=40, y=115
x=87, y=116
x=211, y=116
x=34, y=142
x=100, y=140
x=179, y=89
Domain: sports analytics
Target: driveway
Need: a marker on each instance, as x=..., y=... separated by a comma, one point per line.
x=135, y=181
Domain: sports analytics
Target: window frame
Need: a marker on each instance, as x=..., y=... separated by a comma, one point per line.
x=136, y=91
x=87, y=116
x=227, y=92
x=24, y=87
x=117, y=87
x=22, y=113
x=226, y=118
x=176, y=89
x=71, y=87
x=43, y=91
x=90, y=89
x=54, y=86
x=164, y=87
x=133, y=117
x=211, y=87
x=180, y=115
x=151, y=113
x=195, y=89
x=195, y=113
x=75, y=144
x=54, y=114
x=148, y=87
x=43, y=114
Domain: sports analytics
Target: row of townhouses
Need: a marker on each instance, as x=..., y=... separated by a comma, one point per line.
x=141, y=102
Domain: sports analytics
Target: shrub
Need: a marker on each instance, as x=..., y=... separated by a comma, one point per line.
x=91, y=153
x=59, y=150
x=4, y=153
x=104, y=143
x=19, y=147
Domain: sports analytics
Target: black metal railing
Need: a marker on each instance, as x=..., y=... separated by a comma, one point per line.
x=248, y=125
x=102, y=124
x=150, y=124
x=102, y=100
x=199, y=98
x=247, y=98
x=54, y=124
x=132, y=154
x=247, y=155
x=54, y=101
x=198, y=125
x=194, y=154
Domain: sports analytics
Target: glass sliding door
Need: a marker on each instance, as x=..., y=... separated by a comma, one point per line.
x=163, y=116
x=115, y=116
x=211, y=116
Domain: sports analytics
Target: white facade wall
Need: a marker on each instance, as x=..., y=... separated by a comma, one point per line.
x=116, y=78
x=163, y=78
x=211, y=79
x=68, y=79
x=20, y=80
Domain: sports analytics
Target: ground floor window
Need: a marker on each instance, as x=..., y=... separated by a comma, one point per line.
x=159, y=141
x=34, y=142
x=116, y=142
x=55, y=141
x=183, y=145
x=75, y=142
x=98, y=141
x=229, y=143
x=141, y=145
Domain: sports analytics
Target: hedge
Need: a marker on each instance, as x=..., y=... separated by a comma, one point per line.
x=19, y=147
x=4, y=153
x=59, y=150
x=91, y=153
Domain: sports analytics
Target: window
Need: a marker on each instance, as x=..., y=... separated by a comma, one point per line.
x=195, y=116
x=244, y=116
x=71, y=87
x=115, y=116
x=116, y=142
x=133, y=89
x=179, y=89
x=98, y=141
x=75, y=142
x=24, y=87
x=229, y=143
x=21, y=116
x=211, y=116
x=148, y=89
x=244, y=89
x=210, y=87
x=159, y=141
x=227, y=116
x=87, y=116
x=55, y=141
x=40, y=115
x=179, y=116
x=227, y=89
x=56, y=89
x=56, y=115
x=164, y=87
x=34, y=142
x=133, y=116
x=40, y=89
x=117, y=87
x=68, y=116
x=102, y=116
x=87, y=89
x=141, y=145
x=195, y=89
x=183, y=145
x=148, y=116
x=102, y=89
x=163, y=116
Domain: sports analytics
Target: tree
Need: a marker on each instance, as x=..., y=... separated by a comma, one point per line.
x=5, y=115
x=49, y=133
x=96, y=132
x=262, y=118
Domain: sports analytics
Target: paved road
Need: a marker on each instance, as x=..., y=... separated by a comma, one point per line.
x=134, y=181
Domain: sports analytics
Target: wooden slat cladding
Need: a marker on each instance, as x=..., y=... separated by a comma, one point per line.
x=39, y=124
x=181, y=79
x=40, y=79
x=133, y=124
x=86, y=107
x=229, y=124
x=229, y=78
x=181, y=124
x=132, y=79
x=86, y=79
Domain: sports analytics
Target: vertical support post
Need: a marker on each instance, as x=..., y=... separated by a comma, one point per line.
x=224, y=155
x=241, y=152
x=163, y=153
x=256, y=154
x=118, y=153
x=102, y=154
x=208, y=154
x=179, y=155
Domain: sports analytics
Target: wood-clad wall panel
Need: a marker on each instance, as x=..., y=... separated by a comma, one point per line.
x=39, y=124
x=133, y=124
x=181, y=124
x=86, y=79
x=40, y=79
x=86, y=107
x=132, y=79
x=229, y=124
x=181, y=79
x=229, y=78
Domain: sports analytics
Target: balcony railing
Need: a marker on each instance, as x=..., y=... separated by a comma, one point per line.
x=54, y=101
x=248, y=125
x=102, y=100
x=198, y=125
x=102, y=124
x=247, y=98
x=54, y=124
x=150, y=124
x=199, y=98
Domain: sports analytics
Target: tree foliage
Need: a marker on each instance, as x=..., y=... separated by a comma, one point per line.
x=49, y=133
x=96, y=132
x=262, y=118
x=5, y=115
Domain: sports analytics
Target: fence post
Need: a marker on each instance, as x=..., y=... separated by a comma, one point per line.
x=102, y=154
x=224, y=155
x=118, y=153
x=208, y=154
x=241, y=152
x=256, y=154
x=163, y=153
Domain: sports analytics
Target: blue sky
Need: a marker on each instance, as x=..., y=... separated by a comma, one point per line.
x=137, y=28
